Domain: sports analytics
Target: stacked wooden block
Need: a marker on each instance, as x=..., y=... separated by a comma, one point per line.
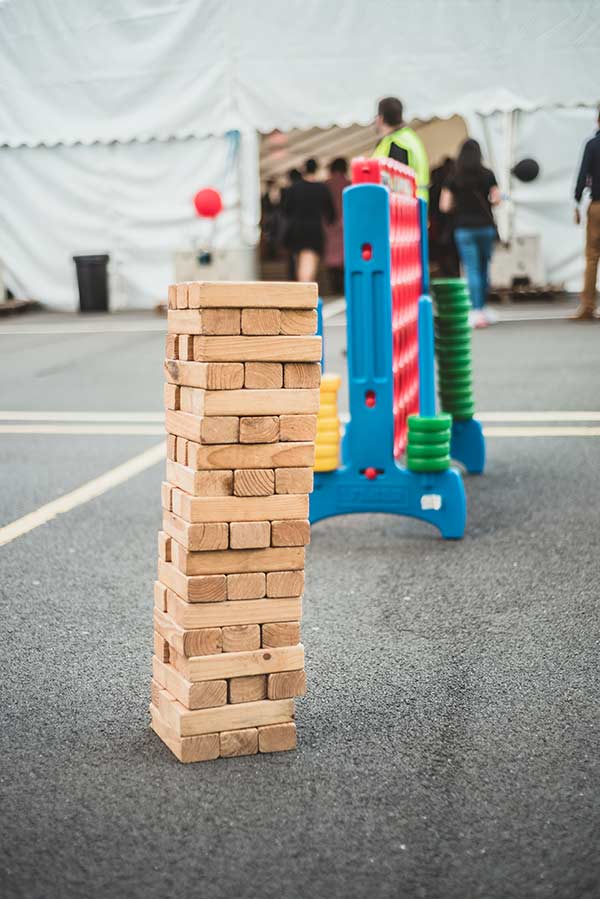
x=241, y=397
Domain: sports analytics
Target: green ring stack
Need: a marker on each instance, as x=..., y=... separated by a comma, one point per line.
x=428, y=447
x=453, y=346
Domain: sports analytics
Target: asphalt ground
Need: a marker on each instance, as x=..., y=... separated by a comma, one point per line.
x=448, y=744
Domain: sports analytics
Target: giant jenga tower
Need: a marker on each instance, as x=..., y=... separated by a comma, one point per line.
x=241, y=397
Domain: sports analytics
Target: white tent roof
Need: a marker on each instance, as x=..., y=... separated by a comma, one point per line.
x=76, y=71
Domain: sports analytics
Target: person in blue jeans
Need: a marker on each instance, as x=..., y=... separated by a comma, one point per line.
x=469, y=195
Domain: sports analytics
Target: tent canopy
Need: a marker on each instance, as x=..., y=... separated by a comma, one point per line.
x=75, y=71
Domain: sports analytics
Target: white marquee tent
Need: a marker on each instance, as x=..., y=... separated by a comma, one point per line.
x=115, y=113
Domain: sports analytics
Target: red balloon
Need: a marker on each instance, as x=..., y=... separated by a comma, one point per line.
x=208, y=203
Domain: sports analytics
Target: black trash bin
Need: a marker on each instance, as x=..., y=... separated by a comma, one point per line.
x=92, y=279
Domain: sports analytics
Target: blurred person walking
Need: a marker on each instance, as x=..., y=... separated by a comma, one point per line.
x=334, y=232
x=443, y=254
x=307, y=204
x=400, y=142
x=469, y=194
x=589, y=176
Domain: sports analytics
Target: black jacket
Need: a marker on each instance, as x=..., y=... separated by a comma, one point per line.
x=589, y=173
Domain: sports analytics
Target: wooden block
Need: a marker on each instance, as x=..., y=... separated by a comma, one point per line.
x=249, y=534
x=222, y=322
x=259, y=429
x=239, y=664
x=280, y=633
x=248, y=689
x=201, y=748
x=298, y=321
x=238, y=561
x=166, y=492
x=292, y=480
x=171, y=446
x=200, y=483
x=198, y=401
x=164, y=546
x=277, y=737
x=301, y=375
x=208, y=695
x=200, y=588
x=254, y=482
x=285, y=583
x=247, y=586
x=181, y=296
x=161, y=647
x=160, y=595
x=187, y=723
x=243, y=294
x=203, y=430
x=194, y=509
x=238, y=742
x=210, y=375
x=204, y=641
x=261, y=321
x=241, y=638
x=293, y=532
x=263, y=375
x=180, y=452
x=171, y=346
x=286, y=684
x=172, y=297
x=154, y=692
x=185, y=347
x=296, y=427
x=253, y=611
x=197, y=537
x=249, y=349
x=277, y=455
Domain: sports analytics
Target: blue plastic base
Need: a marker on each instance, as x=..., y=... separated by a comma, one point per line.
x=467, y=445
x=437, y=498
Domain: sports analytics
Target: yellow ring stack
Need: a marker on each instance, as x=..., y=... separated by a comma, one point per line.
x=327, y=443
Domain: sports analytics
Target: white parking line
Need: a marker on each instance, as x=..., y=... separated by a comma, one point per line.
x=19, y=415
x=567, y=415
x=581, y=431
x=122, y=430
x=83, y=494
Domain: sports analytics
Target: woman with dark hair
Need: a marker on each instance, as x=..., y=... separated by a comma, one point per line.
x=469, y=194
x=307, y=205
x=334, y=234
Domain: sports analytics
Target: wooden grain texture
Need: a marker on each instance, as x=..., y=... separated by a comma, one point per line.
x=249, y=534
x=161, y=646
x=254, y=482
x=164, y=546
x=198, y=401
x=200, y=483
x=293, y=532
x=166, y=493
x=180, y=451
x=298, y=321
x=211, y=322
x=260, y=455
x=186, y=722
x=261, y=321
x=171, y=446
x=190, y=615
x=197, y=537
x=248, y=689
x=239, y=664
x=199, y=588
x=200, y=748
x=172, y=296
x=209, y=375
x=208, y=430
x=294, y=480
x=181, y=296
x=253, y=349
x=207, y=695
x=259, y=429
x=185, y=347
x=253, y=294
x=241, y=637
x=286, y=684
x=249, y=585
x=295, y=427
x=172, y=346
x=171, y=396
x=263, y=375
x=285, y=583
x=239, y=508
x=203, y=641
x=277, y=737
x=160, y=595
x=237, y=561
x=280, y=633
x=235, y=743
x=301, y=375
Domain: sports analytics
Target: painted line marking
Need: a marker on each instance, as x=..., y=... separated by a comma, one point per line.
x=13, y=415
x=83, y=494
x=123, y=430
x=121, y=328
x=580, y=431
x=538, y=416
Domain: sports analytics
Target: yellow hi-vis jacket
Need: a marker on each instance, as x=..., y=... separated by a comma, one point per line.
x=417, y=157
